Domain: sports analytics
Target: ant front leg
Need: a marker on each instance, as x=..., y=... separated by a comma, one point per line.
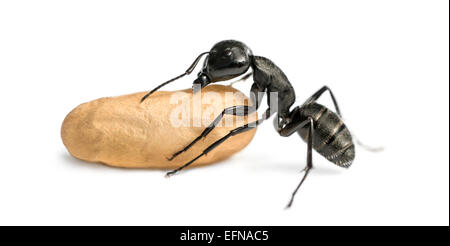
x=244, y=78
x=241, y=110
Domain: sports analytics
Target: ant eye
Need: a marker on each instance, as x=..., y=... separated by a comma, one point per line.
x=227, y=52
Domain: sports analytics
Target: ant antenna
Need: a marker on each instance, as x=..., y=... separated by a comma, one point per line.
x=188, y=71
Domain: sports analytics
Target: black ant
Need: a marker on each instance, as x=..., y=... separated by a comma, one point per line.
x=322, y=129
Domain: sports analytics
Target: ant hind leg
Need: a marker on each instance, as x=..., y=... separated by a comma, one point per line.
x=319, y=93
x=367, y=147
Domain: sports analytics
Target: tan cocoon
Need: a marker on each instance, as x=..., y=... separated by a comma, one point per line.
x=122, y=132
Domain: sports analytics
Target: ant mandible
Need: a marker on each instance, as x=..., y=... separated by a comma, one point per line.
x=322, y=129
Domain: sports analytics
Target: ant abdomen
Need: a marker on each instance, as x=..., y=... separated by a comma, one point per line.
x=332, y=139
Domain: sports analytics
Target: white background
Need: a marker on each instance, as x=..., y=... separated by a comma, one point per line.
x=387, y=62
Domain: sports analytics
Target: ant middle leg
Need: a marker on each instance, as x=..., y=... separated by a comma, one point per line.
x=309, y=164
x=241, y=110
x=295, y=124
x=233, y=132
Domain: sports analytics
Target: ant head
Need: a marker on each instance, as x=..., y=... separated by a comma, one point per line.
x=226, y=60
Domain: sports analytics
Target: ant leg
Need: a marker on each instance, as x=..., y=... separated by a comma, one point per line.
x=319, y=93
x=316, y=96
x=240, y=110
x=188, y=71
x=255, y=96
x=244, y=78
x=233, y=132
x=367, y=147
x=309, y=163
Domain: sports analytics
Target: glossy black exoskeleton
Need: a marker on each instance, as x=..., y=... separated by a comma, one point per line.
x=322, y=129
